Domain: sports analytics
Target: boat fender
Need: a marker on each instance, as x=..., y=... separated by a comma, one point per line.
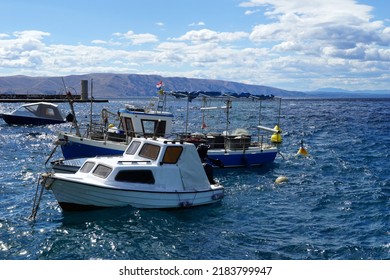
x=185, y=204
x=217, y=196
x=245, y=161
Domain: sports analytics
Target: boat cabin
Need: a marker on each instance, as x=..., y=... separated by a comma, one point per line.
x=134, y=122
x=143, y=162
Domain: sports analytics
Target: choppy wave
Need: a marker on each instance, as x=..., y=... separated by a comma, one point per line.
x=335, y=204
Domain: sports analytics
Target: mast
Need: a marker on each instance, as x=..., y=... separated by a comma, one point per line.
x=258, y=130
x=70, y=101
x=90, y=113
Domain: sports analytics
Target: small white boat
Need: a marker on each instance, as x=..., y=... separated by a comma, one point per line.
x=39, y=113
x=152, y=173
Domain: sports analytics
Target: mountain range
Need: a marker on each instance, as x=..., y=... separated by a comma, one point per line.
x=109, y=85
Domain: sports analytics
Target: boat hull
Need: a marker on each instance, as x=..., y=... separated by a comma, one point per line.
x=76, y=147
x=23, y=120
x=250, y=157
x=76, y=196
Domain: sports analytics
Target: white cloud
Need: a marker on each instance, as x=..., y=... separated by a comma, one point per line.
x=318, y=22
x=207, y=35
x=200, y=23
x=137, y=39
x=3, y=36
x=22, y=49
x=99, y=42
x=251, y=12
x=301, y=46
x=334, y=36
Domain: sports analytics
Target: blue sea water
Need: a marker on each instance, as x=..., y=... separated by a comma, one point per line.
x=335, y=204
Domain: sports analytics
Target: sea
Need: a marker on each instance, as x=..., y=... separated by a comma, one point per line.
x=334, y=204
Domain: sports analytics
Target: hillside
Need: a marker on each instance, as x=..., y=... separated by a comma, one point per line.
x=126, y=85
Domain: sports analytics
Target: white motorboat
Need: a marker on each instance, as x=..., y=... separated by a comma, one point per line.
x=151, y=173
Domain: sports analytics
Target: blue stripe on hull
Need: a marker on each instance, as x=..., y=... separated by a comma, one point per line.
x=237, y=160
x=77, y=150
x=73, y=150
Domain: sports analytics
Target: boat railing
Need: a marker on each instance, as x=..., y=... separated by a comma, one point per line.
x=237, y=142
x=228, y=142
x=263, y=144
x=134, y=162
x=96, y=131
x=221, y=141
x=99, y=131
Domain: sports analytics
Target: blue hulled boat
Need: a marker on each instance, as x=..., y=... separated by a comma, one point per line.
x=225, y=149
x=39, y=113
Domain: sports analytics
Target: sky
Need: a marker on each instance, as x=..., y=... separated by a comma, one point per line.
x=299, y=45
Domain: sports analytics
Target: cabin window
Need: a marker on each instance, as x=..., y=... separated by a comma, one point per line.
x=129, y=127
x=133, y=147
x=153, y=127
x=87, y=167
x=135, y=176
x=102, y=171
x=33, y=109
x=49, y=112
x=149, y=151
x=172, y=154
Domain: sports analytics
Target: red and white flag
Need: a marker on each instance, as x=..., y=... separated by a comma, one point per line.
x=159, y=85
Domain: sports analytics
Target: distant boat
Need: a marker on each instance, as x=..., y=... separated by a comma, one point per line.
x=39, y=113
x=151, y=173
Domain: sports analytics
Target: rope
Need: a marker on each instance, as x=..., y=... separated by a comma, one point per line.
x=37, y=200
x=281, y=155
x=51, y=154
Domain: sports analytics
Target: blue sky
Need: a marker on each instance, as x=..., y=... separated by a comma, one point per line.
x=289, y=44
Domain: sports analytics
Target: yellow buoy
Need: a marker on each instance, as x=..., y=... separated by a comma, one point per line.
x=302, y=151
x=277, y=136
x=281, y=179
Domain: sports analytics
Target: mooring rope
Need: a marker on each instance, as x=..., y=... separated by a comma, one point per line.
x=51, y=153
x=37, y=200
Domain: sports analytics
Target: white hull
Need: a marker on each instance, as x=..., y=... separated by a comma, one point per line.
x=80, y=196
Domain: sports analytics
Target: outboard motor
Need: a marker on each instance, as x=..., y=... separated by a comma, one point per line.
x=202, y=152
x=69, y=117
